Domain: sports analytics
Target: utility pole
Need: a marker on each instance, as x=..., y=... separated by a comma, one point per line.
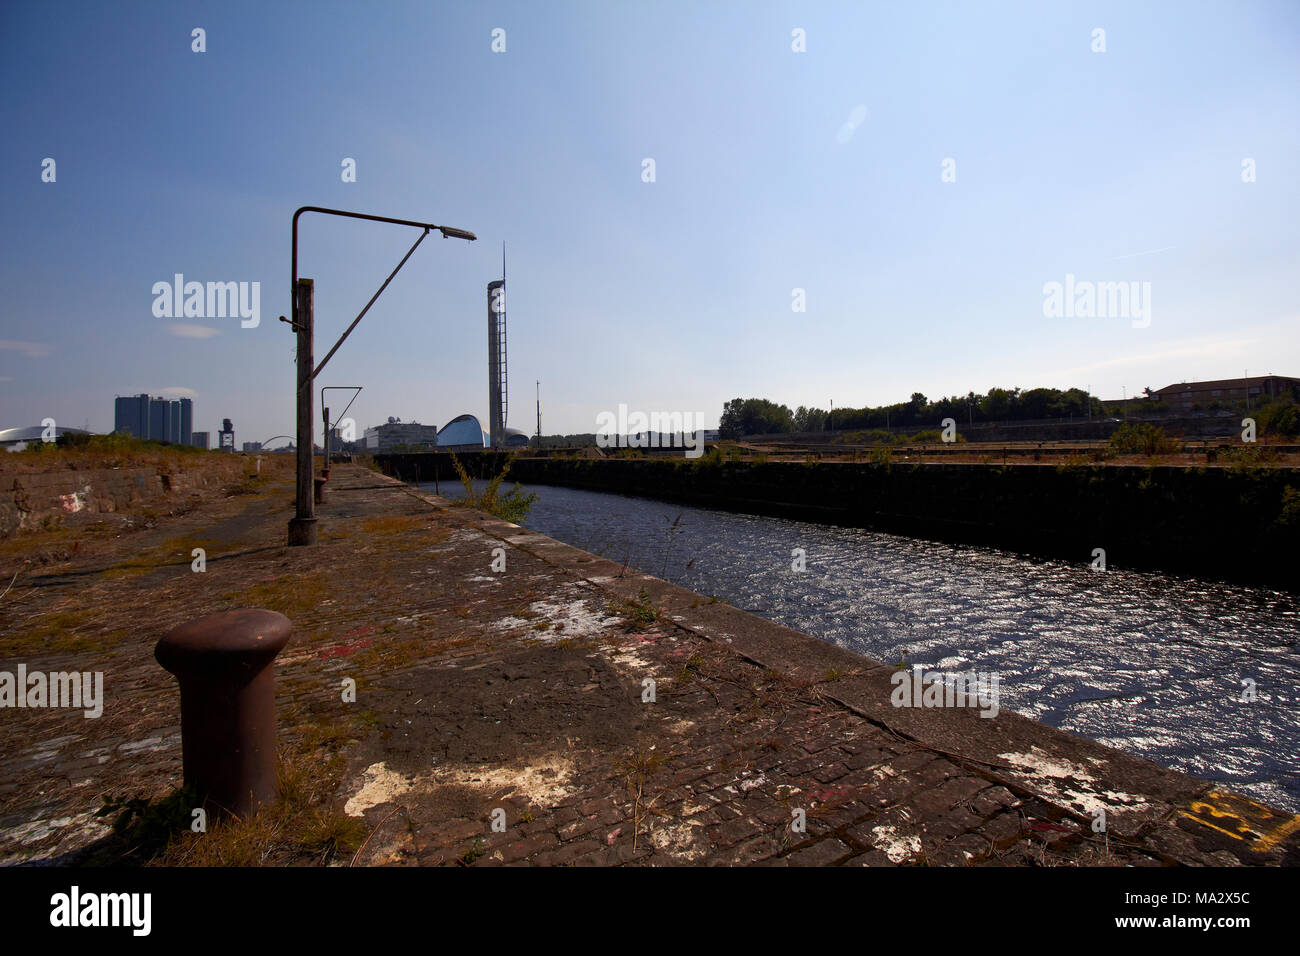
x=302, y=527
x=539, y=416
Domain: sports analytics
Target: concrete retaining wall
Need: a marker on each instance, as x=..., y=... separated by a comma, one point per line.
x=34, y=500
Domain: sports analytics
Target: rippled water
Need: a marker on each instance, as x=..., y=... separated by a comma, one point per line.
x=1148, y=663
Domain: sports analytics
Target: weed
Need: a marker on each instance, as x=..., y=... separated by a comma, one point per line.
x=513, y=506
x=476, y=850
x=639, y=611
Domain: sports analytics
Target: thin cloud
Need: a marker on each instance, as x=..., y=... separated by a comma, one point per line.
x=1212, y=347
x=1134, y=255
x=856, y=119
x=178, y=391
x=29, y=349
x=192, y=331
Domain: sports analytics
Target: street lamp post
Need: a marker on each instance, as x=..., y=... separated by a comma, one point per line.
x=302, y=527
x=325, y=414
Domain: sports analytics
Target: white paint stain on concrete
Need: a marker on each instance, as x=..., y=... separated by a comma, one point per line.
x=1067, y=782
x=898, y=847
x=544, y=782
x=76, y=501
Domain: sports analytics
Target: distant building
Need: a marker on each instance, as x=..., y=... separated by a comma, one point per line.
x=394, y=432
x=252, y=446
x=1184, y=396
x=514, y=438
x=155, y=419
x=199, y=440
x=185, y=423
x=160, y=419
x=16, y=439
x=131, y=415
x=226, y=437
x=462, y=433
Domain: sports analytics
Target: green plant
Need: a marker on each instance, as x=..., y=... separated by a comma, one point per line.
x=1142, y=439
x=513, y=506
x=1245, y=459
x=476, y=850
x=639, y=611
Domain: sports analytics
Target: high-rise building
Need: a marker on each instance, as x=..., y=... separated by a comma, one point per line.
x=199, y=440
x=184, y=421
x=157, y=419
x=131, y=415
x=160, y=419
x=226, y=437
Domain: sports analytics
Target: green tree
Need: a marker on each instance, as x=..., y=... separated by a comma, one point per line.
x=754, y=416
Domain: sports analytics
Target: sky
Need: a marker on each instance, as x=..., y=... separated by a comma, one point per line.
x=850, y=202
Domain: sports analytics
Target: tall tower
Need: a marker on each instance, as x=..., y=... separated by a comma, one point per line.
x=497, y=399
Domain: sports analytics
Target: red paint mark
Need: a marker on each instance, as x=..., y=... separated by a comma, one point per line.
x=368, y=629
x=832, y=795
x=343, y=650
x=1043, y=825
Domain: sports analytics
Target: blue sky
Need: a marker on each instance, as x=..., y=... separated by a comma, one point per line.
x=675, y=295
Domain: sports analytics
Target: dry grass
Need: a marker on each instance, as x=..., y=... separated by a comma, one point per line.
x=395, y=524
x=303, y=827
x=60, y=632
x=292, y=595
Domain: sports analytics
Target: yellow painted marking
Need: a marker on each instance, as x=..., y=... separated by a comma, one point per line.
x=1206, y=823
x=1262, y=832
x=1279, y=833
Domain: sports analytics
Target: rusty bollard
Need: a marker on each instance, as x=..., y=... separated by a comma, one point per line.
x=319, y=494
x=224, y=665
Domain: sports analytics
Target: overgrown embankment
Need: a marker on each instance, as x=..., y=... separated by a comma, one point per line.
x=57, y=500
x=1240, y=524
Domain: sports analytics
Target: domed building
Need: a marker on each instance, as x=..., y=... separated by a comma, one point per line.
x=462, y=433
x=16, y=439
x=516, y=439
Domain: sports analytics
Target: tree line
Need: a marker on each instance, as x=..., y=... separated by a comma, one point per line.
x=1278, y=415
x=758, y=416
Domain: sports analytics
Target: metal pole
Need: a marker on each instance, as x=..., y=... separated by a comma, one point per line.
x=325, y=414
x=302, y=527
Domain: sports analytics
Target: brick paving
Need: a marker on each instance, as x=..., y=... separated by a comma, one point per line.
x=525, y=717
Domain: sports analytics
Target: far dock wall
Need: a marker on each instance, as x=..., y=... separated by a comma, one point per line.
x=1236, y=525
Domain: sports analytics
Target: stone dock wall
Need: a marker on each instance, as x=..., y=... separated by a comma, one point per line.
x=1241, y=525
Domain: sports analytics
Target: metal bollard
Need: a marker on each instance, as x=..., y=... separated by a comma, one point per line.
x=224, y=665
